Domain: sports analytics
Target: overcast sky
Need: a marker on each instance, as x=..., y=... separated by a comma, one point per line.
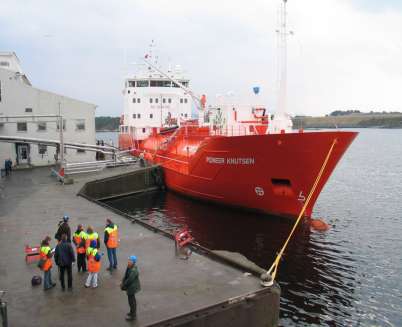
x=345, y=54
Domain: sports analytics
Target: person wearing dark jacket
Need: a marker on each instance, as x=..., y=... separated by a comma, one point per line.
x=131, y=284
x=64, y=228
x=64, y=258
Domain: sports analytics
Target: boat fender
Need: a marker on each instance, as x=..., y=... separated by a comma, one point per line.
x=319, y=225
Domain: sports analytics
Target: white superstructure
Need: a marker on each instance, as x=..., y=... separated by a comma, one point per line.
x=32, y=113
x=151, y=100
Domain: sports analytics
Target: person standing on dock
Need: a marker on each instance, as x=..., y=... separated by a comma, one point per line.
x=64, y=228
x=131, y=284
x=92, y=236
x=111, y=242
x=64, y=257
x=45, y=263
x=94, y=265
x=79, y=240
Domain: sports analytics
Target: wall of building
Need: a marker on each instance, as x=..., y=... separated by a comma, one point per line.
x=19, y=98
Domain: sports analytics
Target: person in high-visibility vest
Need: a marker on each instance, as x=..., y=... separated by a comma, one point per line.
x=111, y=240
x=92, y=236
x=79, y=239
x=45, y=265
x=94, y=265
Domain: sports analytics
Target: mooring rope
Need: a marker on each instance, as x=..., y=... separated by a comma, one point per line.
x=272, y=271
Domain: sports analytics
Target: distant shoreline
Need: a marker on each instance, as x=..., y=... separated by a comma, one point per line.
x=385, y=121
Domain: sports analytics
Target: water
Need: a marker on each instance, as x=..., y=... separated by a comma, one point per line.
x=350, y=275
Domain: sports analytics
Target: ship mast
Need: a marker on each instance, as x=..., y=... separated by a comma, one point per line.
x=283, y=34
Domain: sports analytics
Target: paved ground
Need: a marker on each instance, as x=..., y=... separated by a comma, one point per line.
x=31, y=204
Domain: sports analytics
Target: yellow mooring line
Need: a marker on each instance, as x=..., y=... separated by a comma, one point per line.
x=272, y=271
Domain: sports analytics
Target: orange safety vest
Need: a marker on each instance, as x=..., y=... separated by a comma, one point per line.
x=78, y=239
x=91, y=237
x=113, y=241
x=93, y=265
x=44, y=251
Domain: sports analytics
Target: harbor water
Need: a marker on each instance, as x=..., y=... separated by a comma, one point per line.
x=347, y=276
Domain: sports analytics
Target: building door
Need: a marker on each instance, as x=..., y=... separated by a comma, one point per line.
x=22, y=153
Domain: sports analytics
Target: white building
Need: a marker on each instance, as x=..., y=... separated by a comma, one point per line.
x=18, y=98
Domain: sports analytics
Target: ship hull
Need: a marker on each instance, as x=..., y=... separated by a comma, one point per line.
x=271, y=173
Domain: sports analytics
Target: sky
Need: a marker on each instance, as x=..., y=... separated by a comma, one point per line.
x=344, y=54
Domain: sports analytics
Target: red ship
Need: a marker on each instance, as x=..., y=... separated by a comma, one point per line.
x=233, y=155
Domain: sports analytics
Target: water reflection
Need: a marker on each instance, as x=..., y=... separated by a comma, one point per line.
x=317, y=276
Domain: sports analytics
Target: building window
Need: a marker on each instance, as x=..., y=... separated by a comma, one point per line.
x=134, y=116
x=22, y=127
x=142, y=83
x=134, y=100
x=42, y=149
x=181, y=100
x=185, y=115
x=150, y=100
x=185, y=100
x=4, y=64
x=139, y=115
x=0, y=91
x=163, y=100
x=128, y=91
x=28, y=109
x=156, y=100
x=80, y=125
x=64, y=125
x=151, y=116
x=169, y=100
x=41, y=126
x=80, y=151
x=131, y=84
x=138, y=100
x=143, y=130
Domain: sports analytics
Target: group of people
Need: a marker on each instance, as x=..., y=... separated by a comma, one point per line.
x=87, y=245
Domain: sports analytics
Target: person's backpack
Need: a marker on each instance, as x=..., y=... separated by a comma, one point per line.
x=36, y=280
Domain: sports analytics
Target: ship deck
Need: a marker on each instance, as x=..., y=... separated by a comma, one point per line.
x=31, y=204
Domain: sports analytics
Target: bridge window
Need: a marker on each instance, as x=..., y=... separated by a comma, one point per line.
x=142, y=83
x=22, y=127
x=80, y=125
x=157, y=83
x=41, y=126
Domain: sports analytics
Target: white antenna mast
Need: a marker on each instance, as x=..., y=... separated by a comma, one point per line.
x=283, y=34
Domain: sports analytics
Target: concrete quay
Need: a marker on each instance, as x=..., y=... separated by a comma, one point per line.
x=201, y=291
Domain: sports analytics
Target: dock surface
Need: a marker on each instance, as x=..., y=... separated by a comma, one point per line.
x=31, y=205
